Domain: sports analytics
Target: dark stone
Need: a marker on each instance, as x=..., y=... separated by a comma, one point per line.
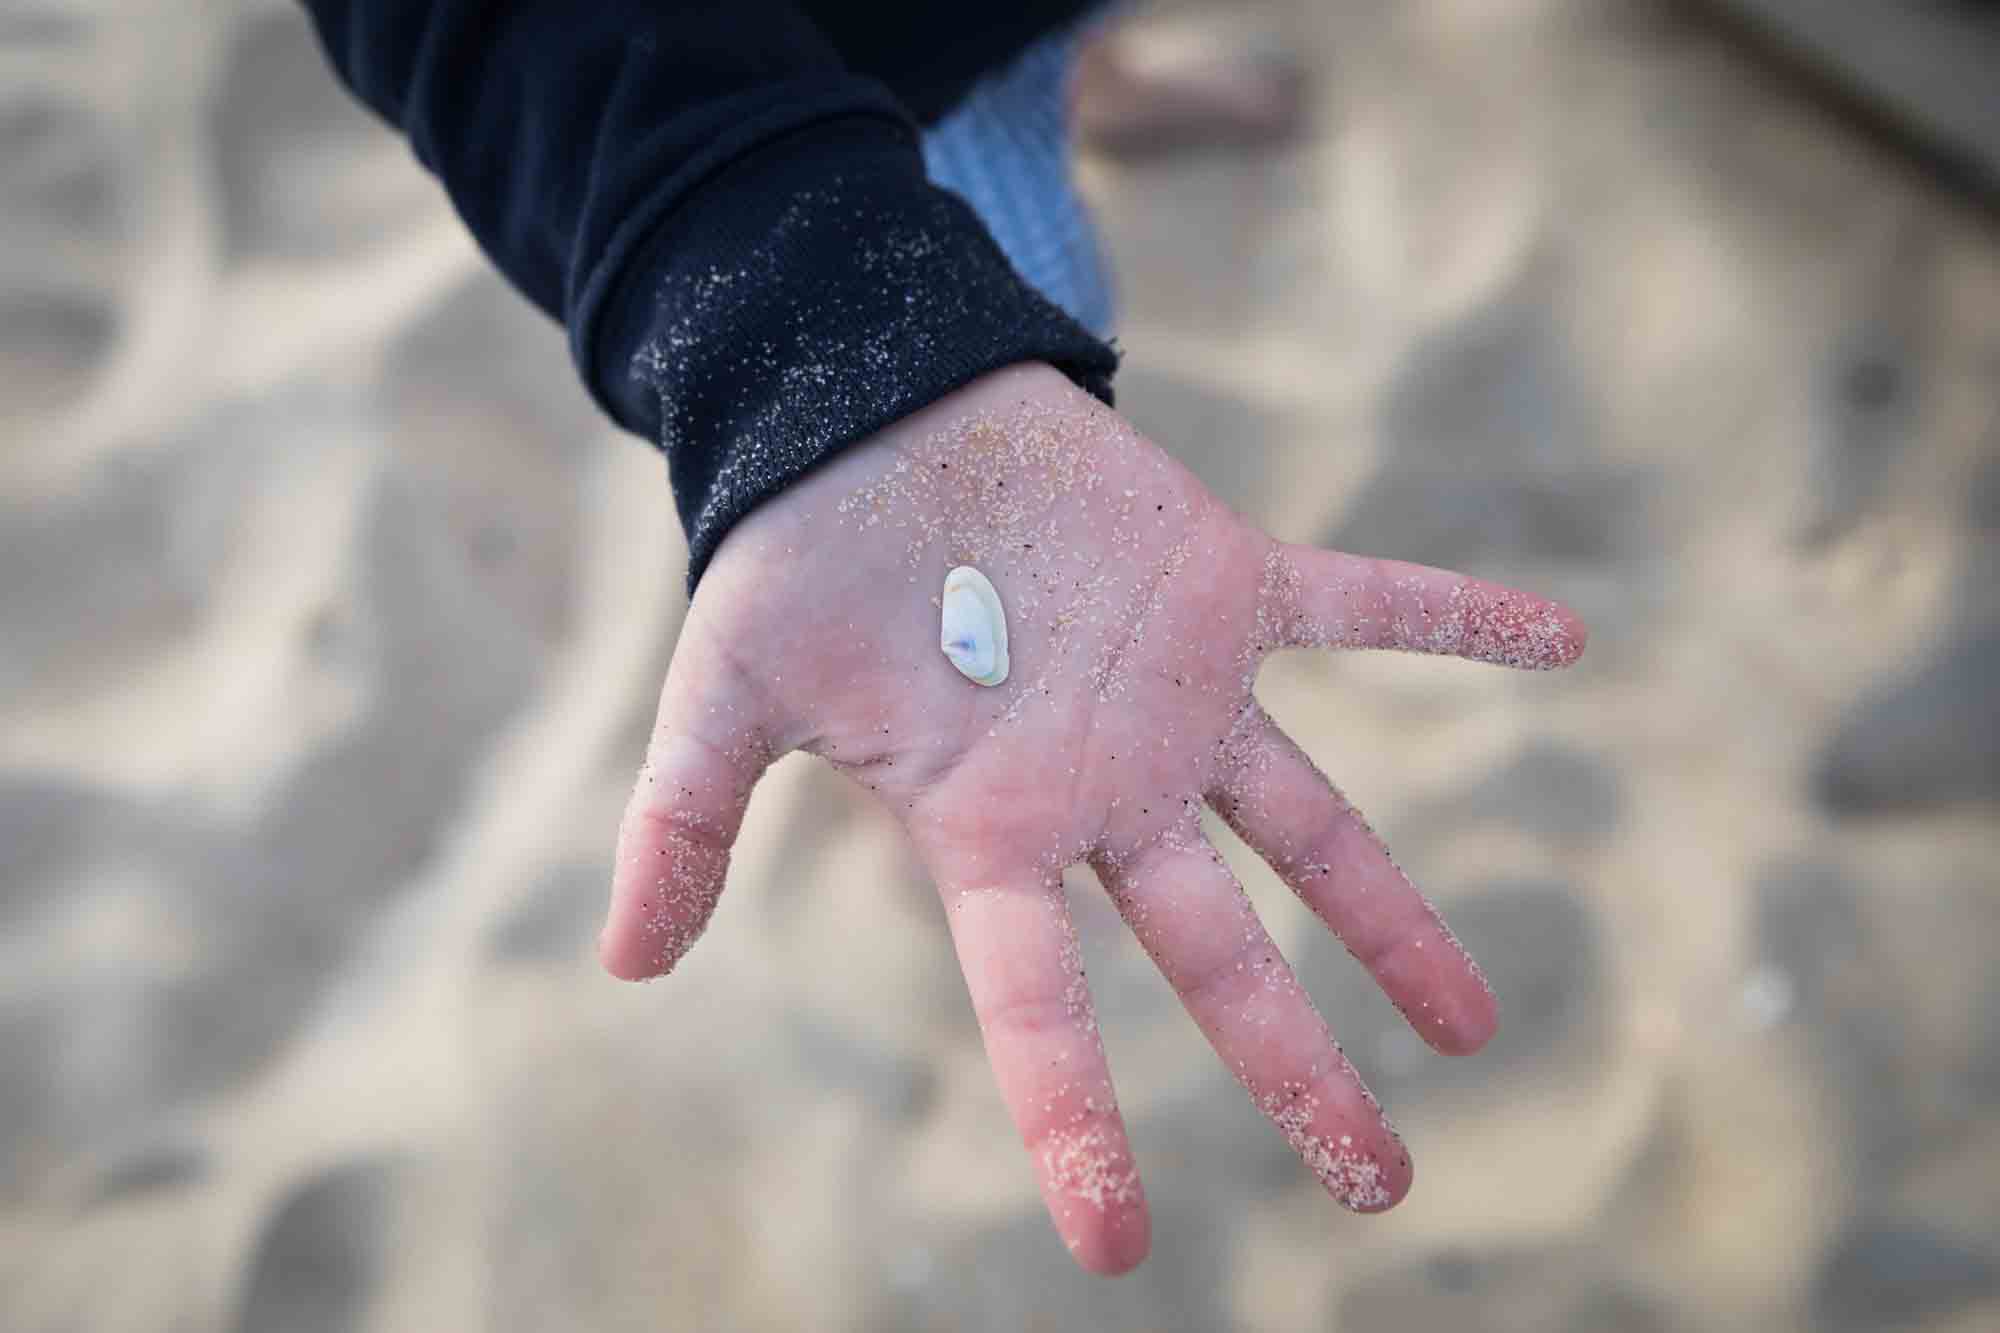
x=1931, y=738
x=320, y=1254
x=1881, y=1272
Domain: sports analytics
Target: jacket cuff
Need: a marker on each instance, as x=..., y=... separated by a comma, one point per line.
x=809, y=294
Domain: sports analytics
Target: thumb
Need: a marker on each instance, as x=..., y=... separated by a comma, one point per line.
x=708, y=749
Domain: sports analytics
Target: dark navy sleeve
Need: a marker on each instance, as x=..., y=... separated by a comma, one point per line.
x=735, y=229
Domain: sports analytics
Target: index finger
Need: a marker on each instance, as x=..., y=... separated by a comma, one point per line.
x=1312, y=598
x=1279, y=802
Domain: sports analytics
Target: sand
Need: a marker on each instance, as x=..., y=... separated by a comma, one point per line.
x=332, y=621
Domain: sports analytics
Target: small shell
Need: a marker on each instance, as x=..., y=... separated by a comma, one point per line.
x=975, y=627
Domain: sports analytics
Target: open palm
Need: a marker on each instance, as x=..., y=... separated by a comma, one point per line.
x=1138, y=609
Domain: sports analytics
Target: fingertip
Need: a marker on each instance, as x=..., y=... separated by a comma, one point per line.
x=1397, y=1173
x=624, y=960
x=1466, y=1029
x=1500, y=625
x=1575, y=636
x=1117, y=1242
x=1371, y=1177
x=1457, y=1040
x=645, y=938
x=1091, y=1188
x=663, y=895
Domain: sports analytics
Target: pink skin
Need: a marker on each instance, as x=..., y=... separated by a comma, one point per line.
x=1138, y=609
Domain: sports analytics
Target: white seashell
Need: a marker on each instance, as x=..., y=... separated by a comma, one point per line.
x=975, y=626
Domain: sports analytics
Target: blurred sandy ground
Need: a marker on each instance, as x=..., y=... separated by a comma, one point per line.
x=331, y=618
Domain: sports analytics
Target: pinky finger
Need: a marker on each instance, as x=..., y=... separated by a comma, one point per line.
x=1018, y=951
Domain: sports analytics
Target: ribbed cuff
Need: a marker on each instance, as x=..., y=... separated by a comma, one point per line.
x=810, y=294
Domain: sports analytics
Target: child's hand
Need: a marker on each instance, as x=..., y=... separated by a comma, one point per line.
x=1138, y=608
